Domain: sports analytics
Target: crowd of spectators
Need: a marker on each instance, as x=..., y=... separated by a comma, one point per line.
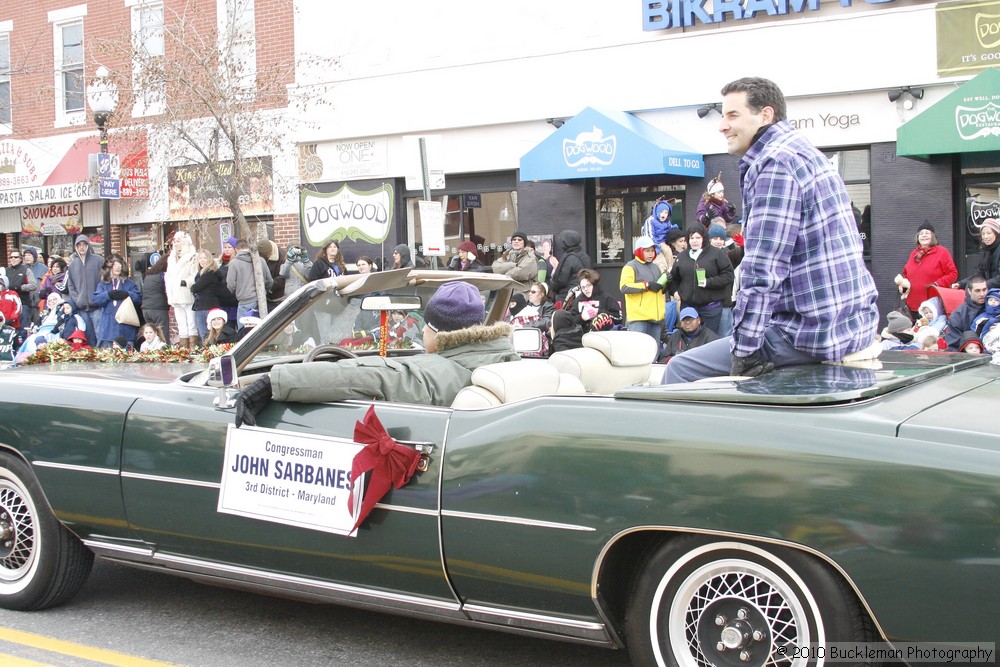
x=679, y=288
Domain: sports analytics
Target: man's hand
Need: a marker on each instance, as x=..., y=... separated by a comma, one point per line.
x=751, y=365
x=252, y=400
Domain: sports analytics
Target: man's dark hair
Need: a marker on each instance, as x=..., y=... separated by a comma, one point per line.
x=760, y=93
x=976, y=279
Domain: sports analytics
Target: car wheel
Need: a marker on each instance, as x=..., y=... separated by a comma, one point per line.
x=700, y=601
x=42, y=564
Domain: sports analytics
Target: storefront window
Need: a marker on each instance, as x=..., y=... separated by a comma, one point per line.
x=982, y=201
x=620, y=213
x=854, y=166
x=485, y=218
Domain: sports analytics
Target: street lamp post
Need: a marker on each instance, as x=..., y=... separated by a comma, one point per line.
x=102, y=95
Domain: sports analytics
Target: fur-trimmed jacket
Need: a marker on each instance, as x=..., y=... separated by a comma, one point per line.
x=428, y=379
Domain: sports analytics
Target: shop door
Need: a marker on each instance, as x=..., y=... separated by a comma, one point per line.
x=981, y=201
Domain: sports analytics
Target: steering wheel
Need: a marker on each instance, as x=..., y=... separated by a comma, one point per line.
x=328, y=348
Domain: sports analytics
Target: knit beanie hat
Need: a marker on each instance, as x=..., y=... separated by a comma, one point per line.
x=456, y=305
x=716, y=232
x=232, y=240
x=897, y=322
x=519, y=235
x=926, y=225
x=216, y=312
x=268, y=250
x=467, y=246
x=716, y=187
x=992, y=224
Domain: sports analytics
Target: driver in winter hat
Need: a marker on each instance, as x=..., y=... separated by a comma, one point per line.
x=455, y=337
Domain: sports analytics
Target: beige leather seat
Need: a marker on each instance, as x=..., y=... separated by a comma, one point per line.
x=495, y=384
x=609, y=360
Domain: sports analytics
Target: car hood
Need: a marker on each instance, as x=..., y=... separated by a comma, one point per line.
x=158, y=373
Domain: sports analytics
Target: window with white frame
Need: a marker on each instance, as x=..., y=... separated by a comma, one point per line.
x=70, y=86
x=238, y=43
x=147, y=69
x=6, y=113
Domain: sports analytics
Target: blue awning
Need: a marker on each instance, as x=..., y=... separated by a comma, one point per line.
x=597, y=143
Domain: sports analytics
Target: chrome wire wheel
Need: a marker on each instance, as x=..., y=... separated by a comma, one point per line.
x=702, y=601
x=735, y=611
x=19, y=536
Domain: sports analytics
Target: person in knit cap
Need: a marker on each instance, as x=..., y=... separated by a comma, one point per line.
x=989, y=260
x=219, y=329
x=898, y=332
x=454, y=335
x=467, y=258
x=930, y=265
x=642, y=283
x=713, y=204
x=518, y=262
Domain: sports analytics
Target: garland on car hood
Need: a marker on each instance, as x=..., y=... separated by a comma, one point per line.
x=60, y=350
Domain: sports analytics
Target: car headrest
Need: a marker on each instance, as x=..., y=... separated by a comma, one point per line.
x=623, y=348
x=516, y=380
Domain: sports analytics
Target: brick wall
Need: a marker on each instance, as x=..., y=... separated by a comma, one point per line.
x=905, y=193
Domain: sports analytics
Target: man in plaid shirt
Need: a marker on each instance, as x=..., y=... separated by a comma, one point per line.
x=805, y=294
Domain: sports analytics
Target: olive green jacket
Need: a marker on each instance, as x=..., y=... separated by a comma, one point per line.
x=429, y=379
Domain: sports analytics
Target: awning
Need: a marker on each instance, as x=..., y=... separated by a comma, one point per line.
x=597, y=143
x=966, y=121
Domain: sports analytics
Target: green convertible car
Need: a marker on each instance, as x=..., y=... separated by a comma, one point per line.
x=726, y=522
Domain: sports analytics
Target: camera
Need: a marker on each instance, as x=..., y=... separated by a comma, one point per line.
x=294, y=253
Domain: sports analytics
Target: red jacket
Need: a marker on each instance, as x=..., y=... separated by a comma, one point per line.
x=934, y=267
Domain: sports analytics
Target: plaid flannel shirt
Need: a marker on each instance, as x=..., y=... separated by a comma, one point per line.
x=803, y=270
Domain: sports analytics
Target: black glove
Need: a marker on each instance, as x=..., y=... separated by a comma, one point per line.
x=184, y=283
x=654, y=286
x=731, y=209
x=252, y=400
x=751, y=365
x=118, y=294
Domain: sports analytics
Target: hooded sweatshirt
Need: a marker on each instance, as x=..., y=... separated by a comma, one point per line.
x=571, y=260
x=84, y=276
x=405, y=262
x=240, y=280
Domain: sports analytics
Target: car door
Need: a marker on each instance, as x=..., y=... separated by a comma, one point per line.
x=174, y=450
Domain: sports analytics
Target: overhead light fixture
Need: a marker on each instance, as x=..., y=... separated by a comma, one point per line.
x=556, y=122
x=709, y=108
x=896, y=93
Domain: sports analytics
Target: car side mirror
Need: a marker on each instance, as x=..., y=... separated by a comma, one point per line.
x=222, y=374
x=222, y=371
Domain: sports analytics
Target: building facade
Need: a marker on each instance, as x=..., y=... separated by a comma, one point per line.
x=492, y=101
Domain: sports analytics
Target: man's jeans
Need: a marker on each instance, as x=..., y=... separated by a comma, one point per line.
x=715, y=359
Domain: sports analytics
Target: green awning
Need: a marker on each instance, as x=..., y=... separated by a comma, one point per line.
x=966, y=121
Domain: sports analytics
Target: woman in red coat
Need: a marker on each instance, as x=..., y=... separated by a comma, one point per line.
x=929, y=265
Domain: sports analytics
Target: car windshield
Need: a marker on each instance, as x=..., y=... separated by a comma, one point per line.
x=342, y=315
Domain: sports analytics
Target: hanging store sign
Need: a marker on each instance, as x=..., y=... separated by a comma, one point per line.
x=53, y=219
x=198, y=192
x=355, y=213
x=686, y=13
x=968, y=36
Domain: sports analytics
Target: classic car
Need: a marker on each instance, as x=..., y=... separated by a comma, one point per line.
x=725, y=522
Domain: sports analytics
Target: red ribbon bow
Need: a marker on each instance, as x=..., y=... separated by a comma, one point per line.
x=391, y=464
